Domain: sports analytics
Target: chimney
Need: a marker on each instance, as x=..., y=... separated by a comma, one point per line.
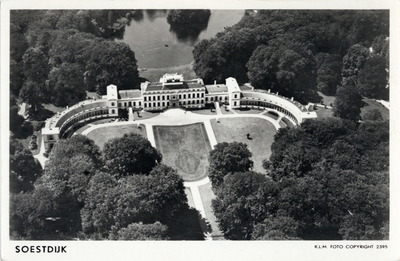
x=215, y=82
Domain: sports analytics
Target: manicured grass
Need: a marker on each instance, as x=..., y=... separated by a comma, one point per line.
x=324, y=113
x=204, y=111
x=235, y=129
x=226, y=111
x=82, y=129
x=271, y=114
x=184, y=148
x=143, y=115
x=327, y=100
x=372, y=104
x=207, y=195
x=249, y=111
x=287, y=122
x=101, y=135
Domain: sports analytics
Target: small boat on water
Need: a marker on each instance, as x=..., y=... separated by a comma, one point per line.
x=166, y=45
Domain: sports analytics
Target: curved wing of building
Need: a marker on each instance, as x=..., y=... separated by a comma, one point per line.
x=172, y=91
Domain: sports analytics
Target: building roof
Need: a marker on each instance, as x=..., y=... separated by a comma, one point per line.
x=125, y=94
x=58, y=119
x=245, y=88
x=173, y=86
x=214, y=88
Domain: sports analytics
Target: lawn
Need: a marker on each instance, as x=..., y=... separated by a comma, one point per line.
x=101, y=135
x=235, y=129
x=189, y=196
x=207, y=195
x=249, y=111
x=372, y=104
x=184, y=148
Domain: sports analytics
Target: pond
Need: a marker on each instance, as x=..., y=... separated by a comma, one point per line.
x=156, y=46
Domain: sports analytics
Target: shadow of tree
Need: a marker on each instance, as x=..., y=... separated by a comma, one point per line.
x=188, y=224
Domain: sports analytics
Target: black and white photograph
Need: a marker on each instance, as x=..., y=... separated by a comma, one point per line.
x=141, y=131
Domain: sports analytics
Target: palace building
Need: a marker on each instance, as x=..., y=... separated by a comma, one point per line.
x=172, y=91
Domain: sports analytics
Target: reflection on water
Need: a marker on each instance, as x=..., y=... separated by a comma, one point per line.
x=157, y=45
x=189, y=32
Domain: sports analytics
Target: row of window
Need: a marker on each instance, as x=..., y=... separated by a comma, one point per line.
x=173, y=97
x=164, y=104
x=216, y=98
x=268, y=105
x=129, y=104
x=80, y=117
x=175, y=91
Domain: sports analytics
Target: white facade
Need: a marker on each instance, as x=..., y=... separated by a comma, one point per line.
x=172, y=91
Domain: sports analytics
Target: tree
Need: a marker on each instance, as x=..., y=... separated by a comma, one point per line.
x=65, y=84
x=112, y=205
x=18, y=43
x=227, y=158
x=289, y=70
x=32, y=93
x=35, y=65
x=373, y=78
x=244, y=199
x=353, y=62
x=276, y=228
x=130, y=154
x=24, y=168
x=329, y=72
x=110, y=62
x=140, y=231
x=348, y=103
x=188, y=23
x=16, y=120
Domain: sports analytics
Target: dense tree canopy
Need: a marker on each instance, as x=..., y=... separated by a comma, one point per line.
x=279, y=49
x=326, y=180
x=348, y=103
x=130, y=154
x=188, y=23
x=112, y=205
x=329, y=72
x=287, y=70
x=140, y=231
x=57, y=55
x=227, y=158
x=243, y=199
x=24, y=168
x=373, y=78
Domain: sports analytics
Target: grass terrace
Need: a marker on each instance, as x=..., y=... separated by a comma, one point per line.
x=272, y=115
x=207, y=195
x=101, y=135
x=235, y=129
x=372, y=104
x=189, y=196
x=248, y=111
x=184, y=148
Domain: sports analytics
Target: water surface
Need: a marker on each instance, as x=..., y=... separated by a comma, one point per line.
x=155, y=46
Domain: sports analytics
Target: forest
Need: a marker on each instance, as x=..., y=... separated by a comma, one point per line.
x=300, y=52
x=326, y=179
